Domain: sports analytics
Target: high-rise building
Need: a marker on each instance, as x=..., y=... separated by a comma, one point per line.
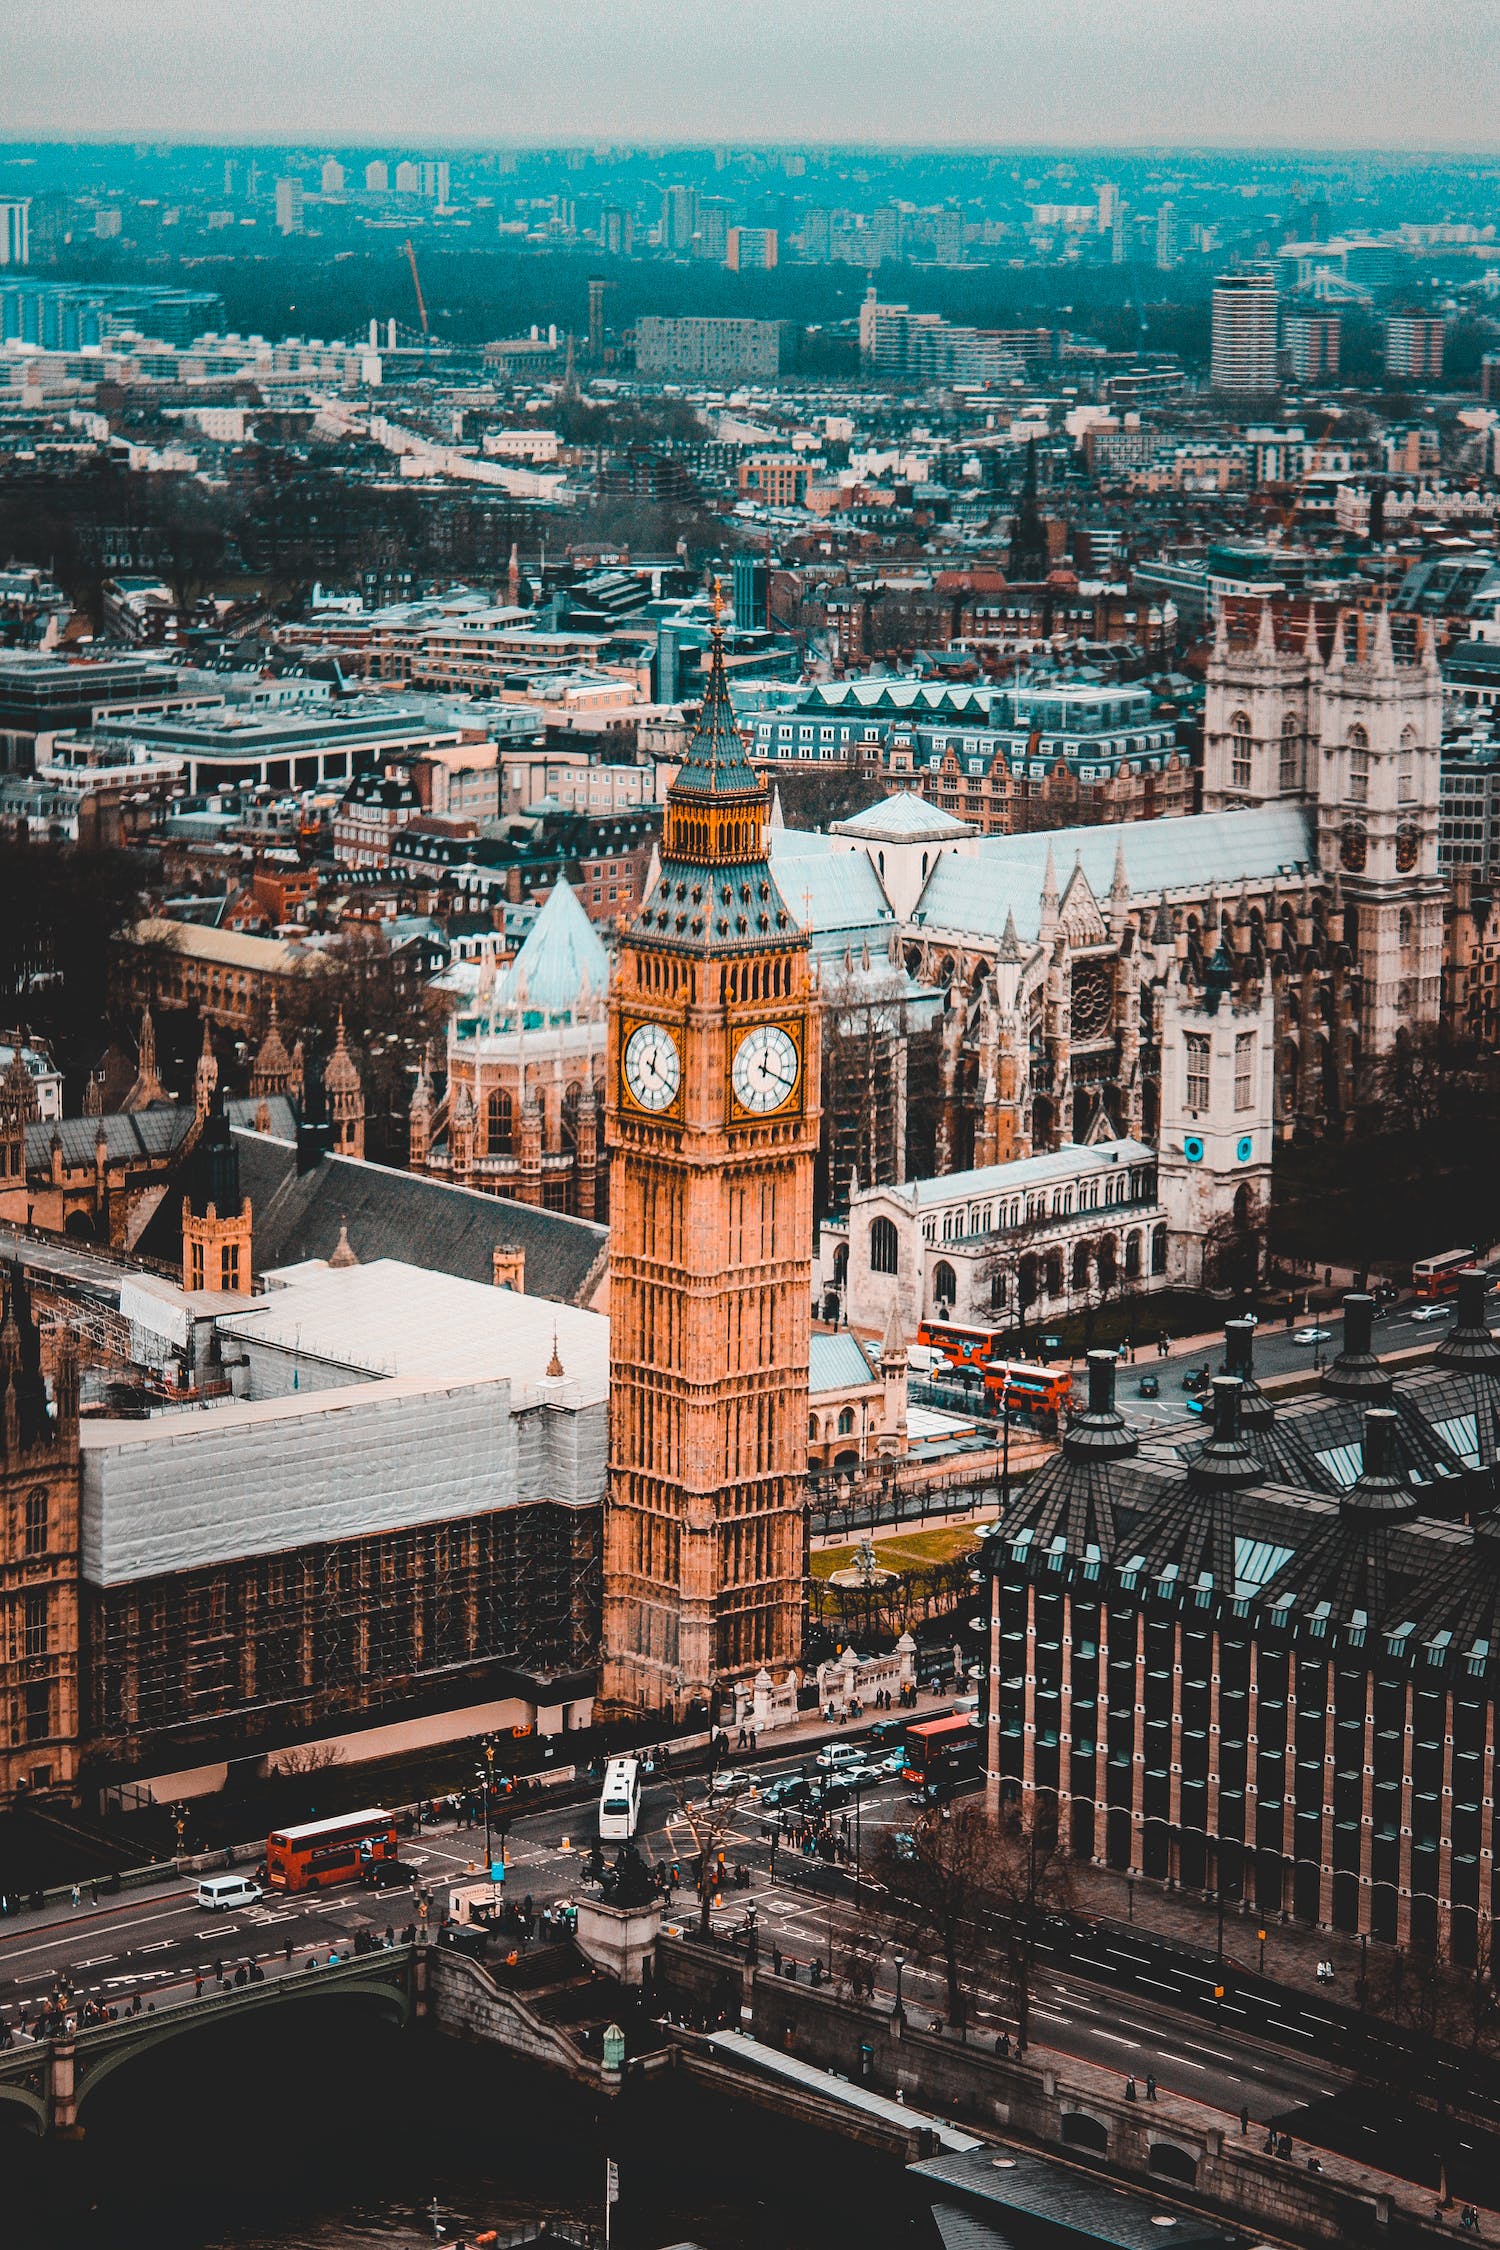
x=15, y=235
x=331, y=181
x=1109, y=203
x=1166, y=237
x=1312, y=345
x=1117, y=233
x=1413, y=347
x=712, y=1118
x=289, y=205
x=442, y=182
x=408, y=178
x=751, y=250
x=679, y=218
x=1244, y=332
x=597, y=287
x=752, y=593
x=1489, y=376
x=377, y=176
x=618, y=230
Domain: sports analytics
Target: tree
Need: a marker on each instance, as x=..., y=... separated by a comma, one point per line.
x=710, y=1819
x=1032, y=1878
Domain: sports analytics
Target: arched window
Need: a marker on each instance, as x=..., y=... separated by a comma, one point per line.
x=1289, y=779
x=944, y=1283
x=500, y=1122
x=1054, y=1271
x=1080, y=1265
x=1239, y=751
x=846, y=1421
x=1158, y=1250
x=1404, y=925
x=812, y=1429
x=572, y=1096
x=1406, y=767
x=997, y=1292
x=884, y=1246
x=1359, y=766
x=1109, y=1262
x=1133, y=1256
x=841, y=1265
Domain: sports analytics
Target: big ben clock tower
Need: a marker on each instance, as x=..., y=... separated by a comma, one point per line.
x=711, y=1114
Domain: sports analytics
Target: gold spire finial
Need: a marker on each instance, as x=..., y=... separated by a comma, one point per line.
x=717, y=605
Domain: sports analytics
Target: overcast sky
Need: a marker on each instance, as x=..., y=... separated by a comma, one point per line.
x=1323, y=73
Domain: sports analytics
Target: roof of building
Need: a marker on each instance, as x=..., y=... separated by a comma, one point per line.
x=834, y=893
x=402, y=1215
x=389, y=1318
x=903, y=818
x=1054, y=1165
x=837, y=1363
x=227, y=948
x=975, y=891
x=562, y=958
x=146, y=1135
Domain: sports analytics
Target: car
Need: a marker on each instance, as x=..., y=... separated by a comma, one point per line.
x=886, y=1730
x=217, y=1894
x=791, y=1789
x=1311, y=1336
x=734, y=1781
x=894, y=1761
x=871, y=1775
x=1197, y=1405
x=903, y=1843
x=1430, y=1312
x=834, y=1755
x=831, y=1795
x=1148, y=1387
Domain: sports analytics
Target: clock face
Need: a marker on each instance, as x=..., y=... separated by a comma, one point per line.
x=766, y=1069
x=653, y=1067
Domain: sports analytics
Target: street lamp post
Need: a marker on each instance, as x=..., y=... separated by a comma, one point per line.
x=487, y=1783
x=898, y=2013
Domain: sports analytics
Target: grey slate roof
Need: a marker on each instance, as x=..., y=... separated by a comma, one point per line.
x=133, y=1135
x=391, y=1214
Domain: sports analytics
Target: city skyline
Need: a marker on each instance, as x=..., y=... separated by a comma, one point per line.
x=1271, y=77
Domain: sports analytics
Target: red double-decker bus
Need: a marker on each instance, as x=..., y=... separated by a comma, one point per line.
x=322, y=1852
x=942, y=1753
x=960, y=1343
x=1438, y=1277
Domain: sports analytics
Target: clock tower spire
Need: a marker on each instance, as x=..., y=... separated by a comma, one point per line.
x=712, y=1119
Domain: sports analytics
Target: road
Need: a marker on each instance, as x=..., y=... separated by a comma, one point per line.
x=155, y=1943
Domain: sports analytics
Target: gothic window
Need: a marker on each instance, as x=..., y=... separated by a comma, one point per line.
x=1054, y=1271
x=1159, y=1250
x=36, y=1521
x=500, y=1123
x=812, y=1429
x=944, y=1283
x=1080, y=1265
x=1244, y=1070
x=1239, y=751
x=883, y=1246
x=572, y=1096
x=1406, y=767
x=846, y=1422
x=1359, y=766
x=1109, y=1262
x=1092, y=999
x=1288, y=778
x=1353, y=846
x=35, y=1628
x=997, y=1292
x=1196, y=1050
x=1403, y=926
x=1133, y=1256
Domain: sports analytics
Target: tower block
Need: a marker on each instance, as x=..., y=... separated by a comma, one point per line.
x=711, y=1116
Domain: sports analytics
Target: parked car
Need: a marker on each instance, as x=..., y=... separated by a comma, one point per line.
x=1311, y=1336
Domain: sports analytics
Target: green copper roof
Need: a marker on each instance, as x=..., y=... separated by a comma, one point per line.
x=716, y=765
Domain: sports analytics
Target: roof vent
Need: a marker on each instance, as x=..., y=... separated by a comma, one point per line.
x=1100, y=1432
x=1357, y=1373
x=1469, y=1343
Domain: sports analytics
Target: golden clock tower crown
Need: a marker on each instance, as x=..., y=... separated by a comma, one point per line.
x=712, y=1117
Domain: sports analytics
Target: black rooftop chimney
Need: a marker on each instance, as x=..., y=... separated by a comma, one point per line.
x=1099, y=1433
x=1469, y=1343
x=1224, y=1461
x=1357, y=1373
x=1381, y=1493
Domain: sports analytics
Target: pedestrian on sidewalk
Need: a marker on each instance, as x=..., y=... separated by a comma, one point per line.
x=1130, y=2093
x=1245, y=2117
x=1150, y=2086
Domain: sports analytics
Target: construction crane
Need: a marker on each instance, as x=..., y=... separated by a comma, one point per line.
x=416, y=282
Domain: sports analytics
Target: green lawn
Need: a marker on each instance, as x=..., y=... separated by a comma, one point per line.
x=907, y=1551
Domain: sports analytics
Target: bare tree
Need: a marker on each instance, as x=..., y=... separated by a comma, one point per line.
x=944, y=1880
x=1030, y=1878
x=308, y=1757
x=710, y=1820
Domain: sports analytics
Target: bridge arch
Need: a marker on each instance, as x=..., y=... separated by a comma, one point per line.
x=104, y=2050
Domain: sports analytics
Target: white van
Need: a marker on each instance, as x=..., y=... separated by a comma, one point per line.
x=620, y=1803
x=217, y=1893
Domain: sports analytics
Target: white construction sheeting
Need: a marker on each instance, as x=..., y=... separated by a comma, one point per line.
x=184, y=1491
